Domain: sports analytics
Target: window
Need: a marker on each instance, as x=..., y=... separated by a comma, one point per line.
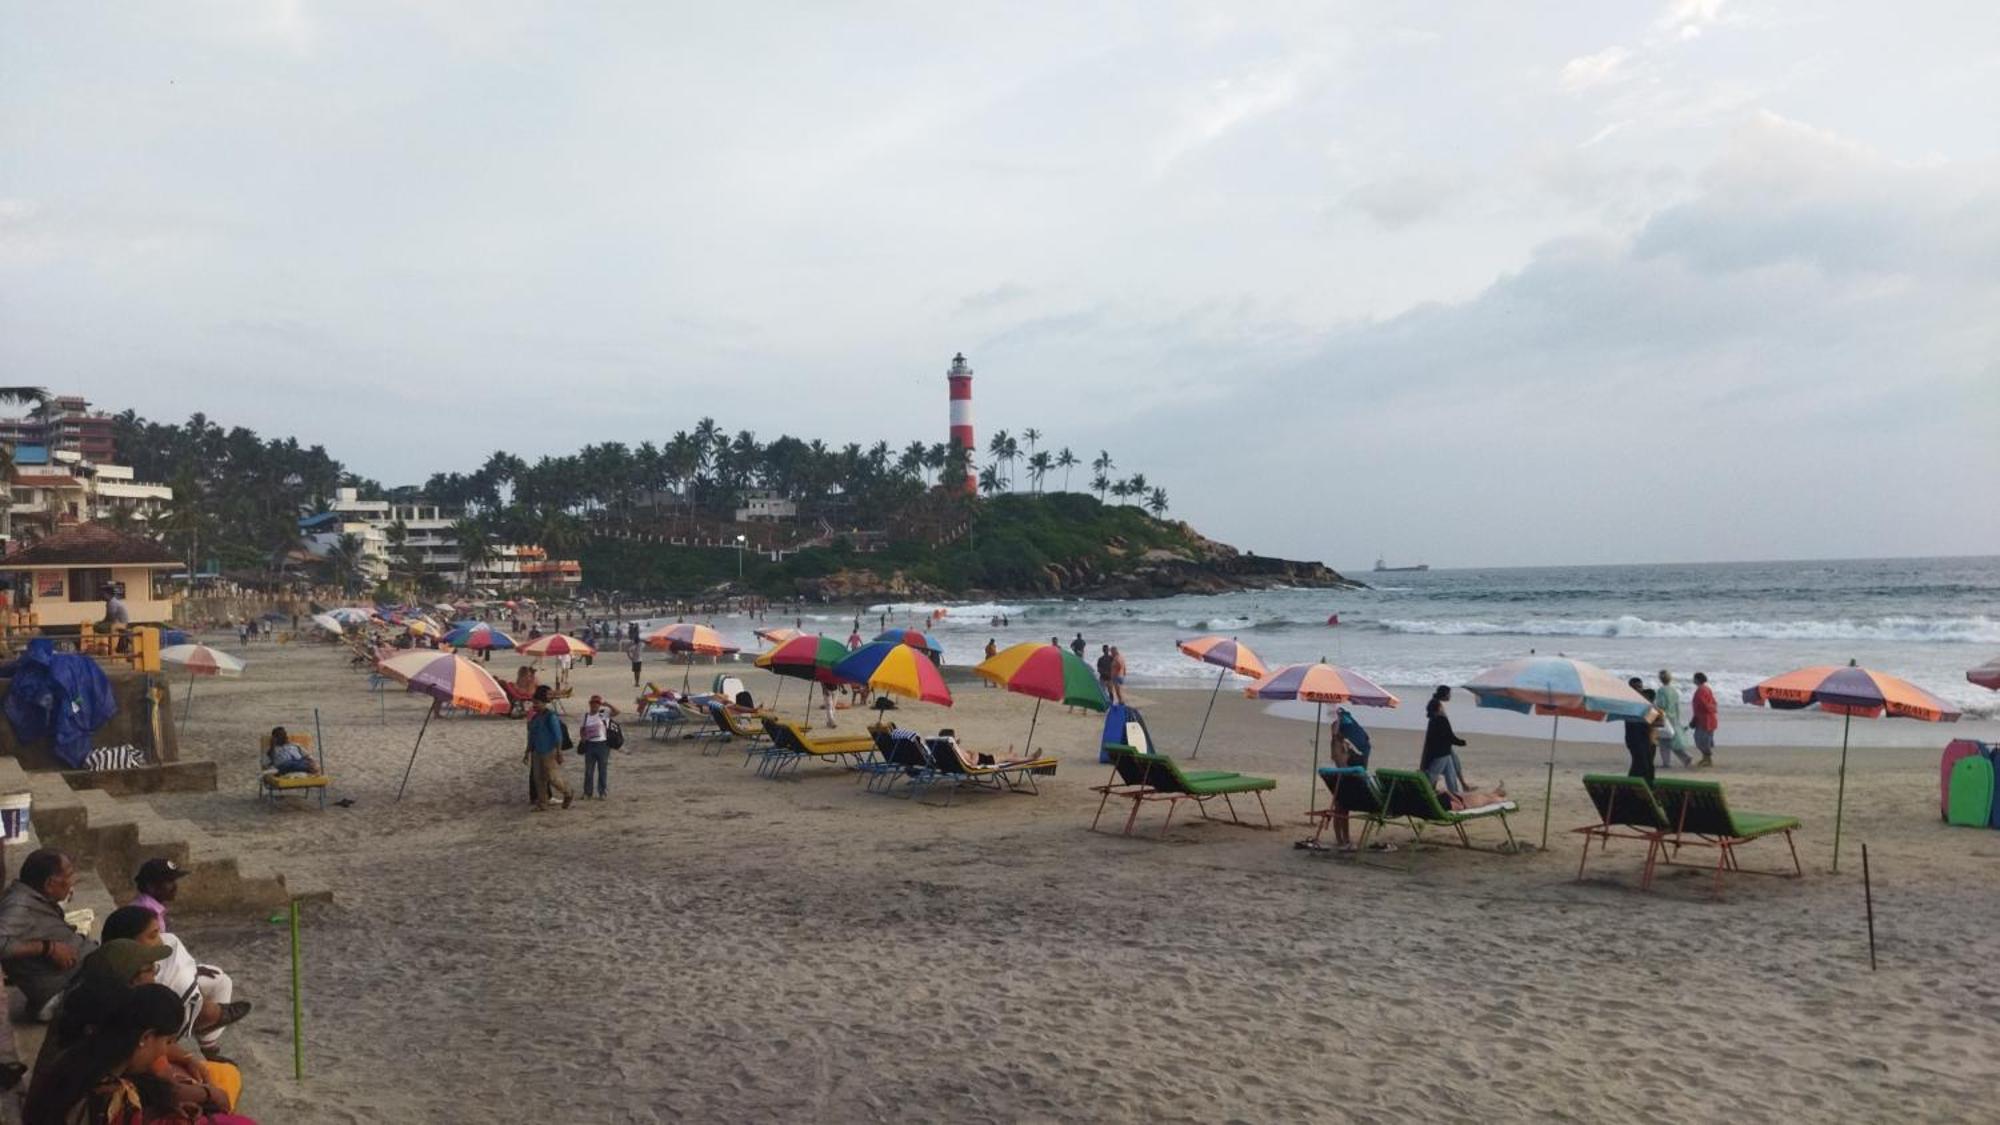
x=88, y=585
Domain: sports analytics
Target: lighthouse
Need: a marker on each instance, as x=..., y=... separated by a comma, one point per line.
x=960, y=378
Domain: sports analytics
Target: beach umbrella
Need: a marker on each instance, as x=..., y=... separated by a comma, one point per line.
x=479, y=636
x=778, y=634
x=914, y=638
x=1559, y=687
x=689, y=640
x=1320, y=684
x=1047, y=672
x=1987, y=675
x=199, y=660
x=808, y=656
x=895, y=668
x=557, y=644
x=1849, y=691
x=1228, y=655
x=449, y=679
x=351, y=615
x=330, y=623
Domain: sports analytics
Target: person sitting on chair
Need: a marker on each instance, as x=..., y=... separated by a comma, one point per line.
x=287, y=757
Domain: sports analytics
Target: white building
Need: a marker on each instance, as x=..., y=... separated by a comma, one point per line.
x=763, y=504
x=432, y=542
x=53, y=490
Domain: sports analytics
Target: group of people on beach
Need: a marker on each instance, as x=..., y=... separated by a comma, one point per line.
x=119, y=1012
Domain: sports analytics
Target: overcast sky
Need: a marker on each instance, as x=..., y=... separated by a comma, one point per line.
x=1456, y=282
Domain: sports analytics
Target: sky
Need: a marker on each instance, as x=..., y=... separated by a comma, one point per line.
x=1469, y=284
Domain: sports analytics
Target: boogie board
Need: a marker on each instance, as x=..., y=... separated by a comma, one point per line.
x=1956, y=749
x=1971, y=792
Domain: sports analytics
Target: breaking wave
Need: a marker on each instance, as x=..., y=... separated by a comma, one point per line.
x=1980, y=630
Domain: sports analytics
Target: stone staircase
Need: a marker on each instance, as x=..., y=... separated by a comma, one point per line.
x=111, y=836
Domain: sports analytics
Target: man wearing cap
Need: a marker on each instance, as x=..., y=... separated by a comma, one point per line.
x=205, y=990
x=595, y=731
x=39, y=950
x=159, y=883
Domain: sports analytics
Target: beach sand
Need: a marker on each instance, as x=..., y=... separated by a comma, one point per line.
x=710, y=945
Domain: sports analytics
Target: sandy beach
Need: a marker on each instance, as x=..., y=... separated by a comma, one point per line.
x=709, y=945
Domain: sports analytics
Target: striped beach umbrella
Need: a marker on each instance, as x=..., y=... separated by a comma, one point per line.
x=1320, y=684
x=329, y=623
x=778, y=634
x=557, y=644
x=1849, y=691
x=199, y=660
x=1562, y=688
x=915, y=638
x=895, y=668
x=1046, y=672
x=691, y=639
x=1987, y=675
x=449, y=679
x=1230, y=656
x=807, y=656
x=352, y=615
x=478, y=636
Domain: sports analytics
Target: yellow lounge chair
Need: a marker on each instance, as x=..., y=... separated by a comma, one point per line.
x=272, y=784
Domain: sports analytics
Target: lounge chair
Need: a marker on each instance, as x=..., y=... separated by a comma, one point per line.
x=1411, y=797
x=662, y=715
x=1699, y=816
x=1140, y=778
x=272, y=784
x=790, y=745
x=517, y=700
x=1354, y=793
x=948, y=764
x=1625, y=810
x=736, y=724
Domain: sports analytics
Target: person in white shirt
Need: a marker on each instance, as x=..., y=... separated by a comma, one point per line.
x=595, y=736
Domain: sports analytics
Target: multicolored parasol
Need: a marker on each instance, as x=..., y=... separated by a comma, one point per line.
x=696, y=639
x=478, y=636
x=1849, y=691
x=915, y=638
x=199, y=660
x=895, y=668
x=1987, y=675
x=1319, y=684
x=1562, y=688
x=557, y=644
x=1046, y=672
x=449, y=679
x=1225, y=653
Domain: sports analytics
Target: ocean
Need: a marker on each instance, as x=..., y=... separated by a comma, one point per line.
x=1927, y=620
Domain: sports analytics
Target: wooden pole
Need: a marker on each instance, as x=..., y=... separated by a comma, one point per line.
x=298, y=1007
x=1868, y=896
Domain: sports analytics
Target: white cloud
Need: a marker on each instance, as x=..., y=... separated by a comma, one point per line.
x=1584, y=71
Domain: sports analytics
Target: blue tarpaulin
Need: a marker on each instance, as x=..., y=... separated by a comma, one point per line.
x=59, y=696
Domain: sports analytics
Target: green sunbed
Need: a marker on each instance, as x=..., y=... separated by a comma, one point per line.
x=1625, y=809
x=1409, y=796
x=1699, y=816
x=1139, y=778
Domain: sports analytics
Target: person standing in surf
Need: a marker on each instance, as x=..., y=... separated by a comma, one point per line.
x=1673, y=735
x=1704, y=720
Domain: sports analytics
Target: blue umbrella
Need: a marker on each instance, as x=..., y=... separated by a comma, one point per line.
x=1558, y=686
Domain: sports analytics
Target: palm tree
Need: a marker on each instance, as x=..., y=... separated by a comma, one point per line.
x=1121, y=489
x=997, y=446
x=1039, y=466
x=1157, y=503
x=1008, y=455
x=1138, y=485
x=1066, y=461
x=16, y=396
x=1033, y=437
x=474, y=548
x=345, y=555
x=989, y=478
x=1099, y=484
x=402, y=558
x=1102, y=466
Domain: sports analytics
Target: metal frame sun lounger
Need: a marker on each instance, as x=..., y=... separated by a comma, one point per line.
x=1140, y=778
x=790, y=746
x=1354, y=793
x=1410, y=797
x=1626, y=810
x=1699, y=816
x=949, y=765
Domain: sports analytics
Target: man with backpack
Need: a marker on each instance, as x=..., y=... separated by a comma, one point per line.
x=546, y=738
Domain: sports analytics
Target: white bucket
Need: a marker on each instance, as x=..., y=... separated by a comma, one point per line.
x=14, y=816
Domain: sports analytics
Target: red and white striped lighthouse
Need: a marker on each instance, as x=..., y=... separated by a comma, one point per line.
x=960, y=377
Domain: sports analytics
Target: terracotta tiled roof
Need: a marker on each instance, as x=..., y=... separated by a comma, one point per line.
x=91, y=544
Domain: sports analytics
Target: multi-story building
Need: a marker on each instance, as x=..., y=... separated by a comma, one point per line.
x=54, y=489
x=65, y=423
x=429, y=541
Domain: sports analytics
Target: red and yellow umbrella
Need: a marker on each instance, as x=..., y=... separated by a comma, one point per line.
x=1225, y=653
x=448, y=679
x=809, y=656
x=895, y=668
x=557, y=644
x=778, y=634
x=1849, y=691
x=1044, y=671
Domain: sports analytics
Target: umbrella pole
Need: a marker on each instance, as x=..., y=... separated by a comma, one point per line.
x=1840, y=800
x=1028, y=751
x=187, y=705
x=1312, y=783
x=413, y=749
x=1549, y=790
x=1205, y=714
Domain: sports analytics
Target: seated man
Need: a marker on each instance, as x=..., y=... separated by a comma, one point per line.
x=39, y=950
x=288, y=758
x=204, y=989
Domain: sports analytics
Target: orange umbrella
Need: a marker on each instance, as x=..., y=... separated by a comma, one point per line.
x=1228, y=655
x=1849, y=691
x=556, y=644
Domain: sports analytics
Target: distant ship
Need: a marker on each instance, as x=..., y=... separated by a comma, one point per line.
x=1380, y=569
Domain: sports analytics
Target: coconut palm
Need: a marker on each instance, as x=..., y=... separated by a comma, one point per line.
x=1066, y=461
x=989, y=478
x=1157, y=503
x=1039, y=466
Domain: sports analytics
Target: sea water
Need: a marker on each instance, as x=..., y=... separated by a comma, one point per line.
x=1926, y=620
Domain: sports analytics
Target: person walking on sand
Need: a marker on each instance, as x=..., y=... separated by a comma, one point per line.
x=636, y=653
x=1104, y=673
x=595, y=731
x=1673, y=738
x=1639, y=739
x=1704, y=720
x=545, y=746
x=1441, y=743
x=1118, y=674
x=1078, y=647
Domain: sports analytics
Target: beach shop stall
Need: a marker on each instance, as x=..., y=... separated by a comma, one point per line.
x=61, y=580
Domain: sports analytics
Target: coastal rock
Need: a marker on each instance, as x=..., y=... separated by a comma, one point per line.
x=852, y=586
